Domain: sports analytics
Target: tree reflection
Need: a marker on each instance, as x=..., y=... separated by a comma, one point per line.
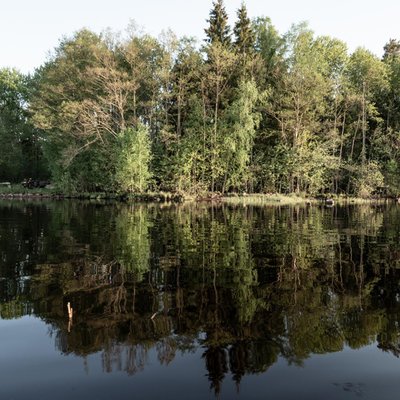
x=246, y=285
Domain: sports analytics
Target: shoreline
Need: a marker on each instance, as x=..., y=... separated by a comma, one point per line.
x=168, y=197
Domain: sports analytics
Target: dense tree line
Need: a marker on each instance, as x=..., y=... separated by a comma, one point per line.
x=247, y=109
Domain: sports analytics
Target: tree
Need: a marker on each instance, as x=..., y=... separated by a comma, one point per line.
x=368, y=76
x=298, y=105
x=242, y=122
x=183, y=165
x=94, y=88
x=267, y=112
x=11, y=124
x=386, y=144
x=20, y=152
x=269, y=47
x=243, y=31
x=391, y=49
x=248, y=64
x=133, y=160
x=72, y=108
x=216, y=79
x=218, y=29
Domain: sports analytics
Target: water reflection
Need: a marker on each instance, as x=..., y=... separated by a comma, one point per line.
x=246, y=285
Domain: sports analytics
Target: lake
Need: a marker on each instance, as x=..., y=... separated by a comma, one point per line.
x=198, y=301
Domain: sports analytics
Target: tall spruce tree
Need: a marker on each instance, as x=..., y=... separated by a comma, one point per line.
x=218, y=30
x=243, y=31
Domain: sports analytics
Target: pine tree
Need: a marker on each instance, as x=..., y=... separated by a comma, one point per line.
x=218, y=30
x=244, y=34
x=391, y=49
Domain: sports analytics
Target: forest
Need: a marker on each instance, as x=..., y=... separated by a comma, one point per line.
x=243, y=110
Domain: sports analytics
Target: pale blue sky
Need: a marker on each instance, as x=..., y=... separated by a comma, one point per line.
x=30, y=28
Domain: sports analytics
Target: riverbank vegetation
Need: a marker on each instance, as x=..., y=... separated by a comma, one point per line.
x=245, y=110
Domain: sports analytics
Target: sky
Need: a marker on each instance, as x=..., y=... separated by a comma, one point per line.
x=30, y=29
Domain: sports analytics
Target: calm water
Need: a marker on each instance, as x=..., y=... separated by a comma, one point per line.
x=199, y=302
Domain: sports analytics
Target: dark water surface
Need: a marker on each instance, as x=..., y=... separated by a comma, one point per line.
x=199, y=302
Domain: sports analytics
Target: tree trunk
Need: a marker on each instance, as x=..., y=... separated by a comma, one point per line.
x=214, y=146
x=364, y=130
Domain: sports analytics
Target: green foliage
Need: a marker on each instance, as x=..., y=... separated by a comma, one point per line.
x=11, y=115
x=190, y=164
x=366, y=179
x=314, y=167
x=217, y=96
x=243, y=121
x=268, y=113
x=218, y=30
x=133, y=160
x=269, y=47
x=20, y=143
x=367, y=72
x=243, y=31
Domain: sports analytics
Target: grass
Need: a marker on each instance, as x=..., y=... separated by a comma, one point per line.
x=267, y=199
x=162, y=197
x=358, y=200
x=291, y=199
x=18, y=191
